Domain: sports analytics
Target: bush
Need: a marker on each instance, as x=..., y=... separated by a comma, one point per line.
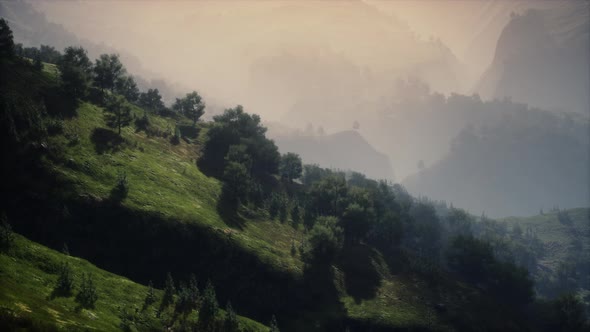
x=150, y=297
x=175, y=139
x=87, y=296
x=65, y=281
x=55, y=126
x=323, y=242
x=6, y=234
x=121, y=189
x=142, y=123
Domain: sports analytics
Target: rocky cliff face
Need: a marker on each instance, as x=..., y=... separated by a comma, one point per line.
x=542, y=59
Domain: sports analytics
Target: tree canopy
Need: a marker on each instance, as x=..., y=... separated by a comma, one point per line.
x=192, y=106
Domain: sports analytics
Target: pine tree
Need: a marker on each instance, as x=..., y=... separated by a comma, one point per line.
x=117, y=113
x=273, y=325
x=87, y=296
x=296, y=215
x=283, y=210
x=150, y=297
x=209, y=307
x=194, y=294
x=6, y=40
x=37, y=63
x=6, y=234
x=169, y=291
x=65, y=281
x=293, y=248
x=231, y=323
x=183, y=303
x=65, y=250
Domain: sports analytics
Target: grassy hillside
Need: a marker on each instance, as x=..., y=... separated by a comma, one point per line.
x=165, y=181
x=28, y=275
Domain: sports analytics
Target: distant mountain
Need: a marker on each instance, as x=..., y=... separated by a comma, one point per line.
x=345, y=150
x=530, y=159
x=542, y=58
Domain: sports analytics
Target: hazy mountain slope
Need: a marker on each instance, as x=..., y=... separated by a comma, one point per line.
x=561, y=236
x=514, y=167
x=565, y=264
x=335, y=151
x=542, y=57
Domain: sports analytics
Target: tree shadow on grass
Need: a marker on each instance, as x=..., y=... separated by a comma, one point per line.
x=361, y=278
x=106, y=140
x=55, y=293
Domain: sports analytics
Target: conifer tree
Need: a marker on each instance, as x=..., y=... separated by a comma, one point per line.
x=273, y=325
x=6, y=234
x=169, y=290
x=117, y=113
x=296, y=215
x=194, y=294
x=150, y=297
x=65, y=281
x=209, y=307
x=231, y=323
x=87, y=296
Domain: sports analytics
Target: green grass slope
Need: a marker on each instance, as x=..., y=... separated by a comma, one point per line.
x=27, y=278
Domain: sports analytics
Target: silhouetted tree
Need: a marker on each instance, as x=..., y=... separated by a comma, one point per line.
x=65, y=280
x=150, y=297
x=192, y=106
x=37, y=62
x=209, y=307
x=323, y=242
x=291, y=166
x=274, y=327
x=118, y=113
x=356, y=222
x=75, y=71
x=6, y=234
x=6, y=40
x=127, y=87
x=108, y=69
x=231, y=322
x=296, y=214
x=169, y=291
x=87, y=296
x=151, y=100
x=234, y=127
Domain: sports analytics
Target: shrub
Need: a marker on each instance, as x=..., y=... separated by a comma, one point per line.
x=142, y=123
x=65, y=281
x=169, y=291
x=55, y=126
x=121, y=189
x=175, y=139
x=87, y=296
x=323, y=242
x=231, y=323
x=6, y=234
x=150, y=297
